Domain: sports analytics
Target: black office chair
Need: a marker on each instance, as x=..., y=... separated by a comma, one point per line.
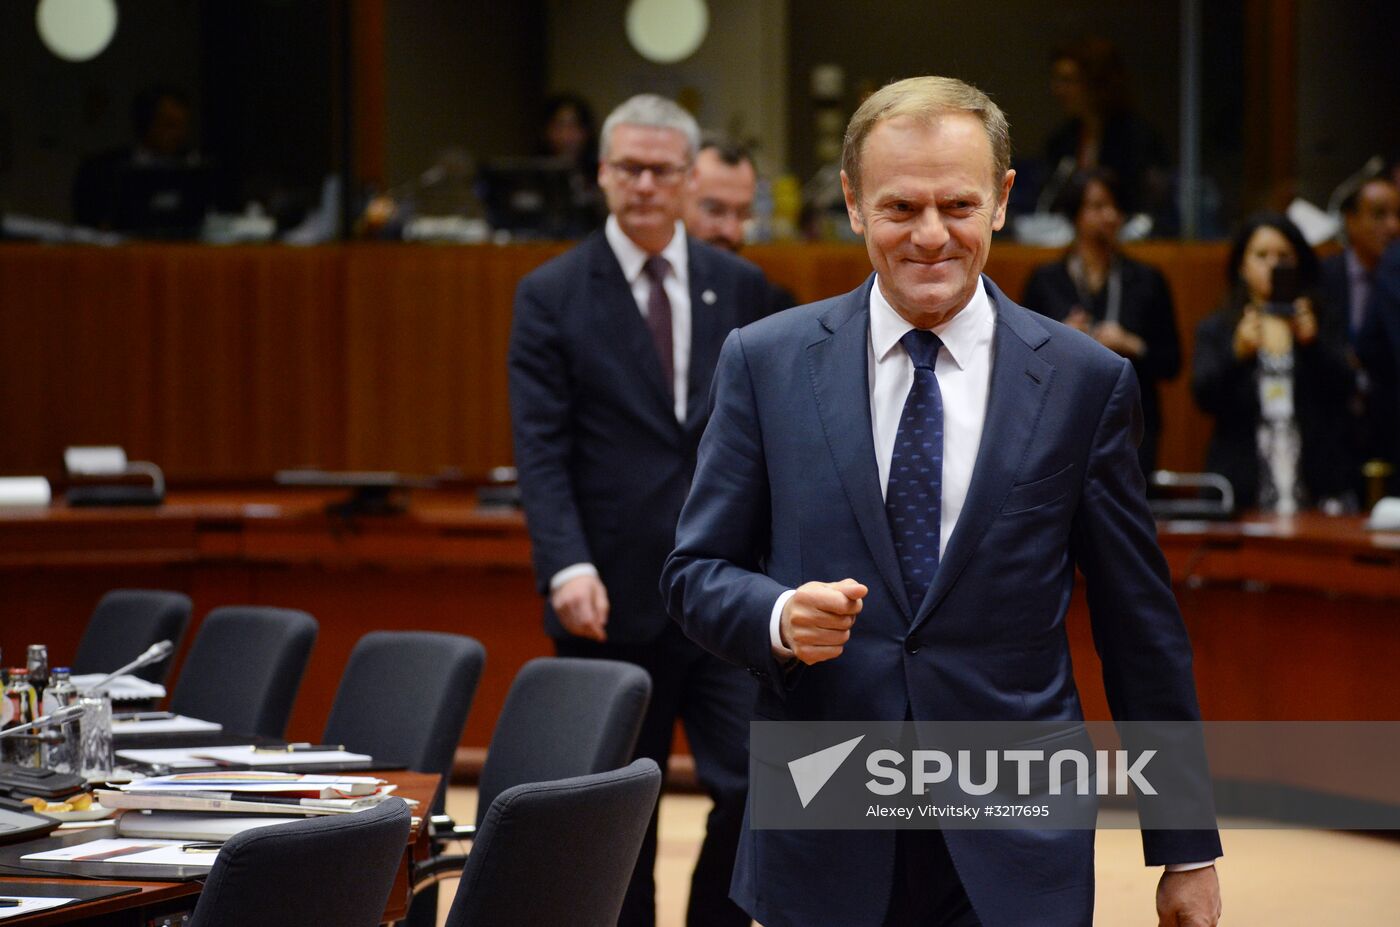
x=126, y=622
x=405, y=696
x=245, y=667
x=337, y=869
x=560, y=853
x=404, y=699
x=563, y=717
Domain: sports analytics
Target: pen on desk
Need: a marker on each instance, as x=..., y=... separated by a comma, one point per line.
x=10, y=902
x=302, y=748
x=201, y=848
x=143, y=716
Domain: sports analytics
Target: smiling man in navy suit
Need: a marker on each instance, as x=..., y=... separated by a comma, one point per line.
x=611, y=354
x=891, y=500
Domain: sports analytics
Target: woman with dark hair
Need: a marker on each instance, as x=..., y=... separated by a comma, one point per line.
x=1122, y=303
x=568, y=131
x=1090, y=83
x=569, y=134
x=1271, y=367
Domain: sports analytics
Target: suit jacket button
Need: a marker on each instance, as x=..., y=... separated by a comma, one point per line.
x=911, y=646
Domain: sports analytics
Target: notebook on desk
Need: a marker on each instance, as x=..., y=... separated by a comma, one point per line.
x=13, y=862
x=61, y=892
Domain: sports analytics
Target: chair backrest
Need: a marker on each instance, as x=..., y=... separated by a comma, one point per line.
x=245, y=667
x=558, y=853
x=404, y=698
x=337, y=869
x=564, y=717
x=126, y=622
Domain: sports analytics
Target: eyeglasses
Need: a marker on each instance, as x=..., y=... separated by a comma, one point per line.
x=663, y=175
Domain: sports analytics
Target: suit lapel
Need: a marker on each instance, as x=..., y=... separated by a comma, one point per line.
x=624, y=331
x=838, y=366
x=706, y=337
x=1020, y=381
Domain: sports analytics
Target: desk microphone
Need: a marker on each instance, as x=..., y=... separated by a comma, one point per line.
x=63, y=715
x=154, y=654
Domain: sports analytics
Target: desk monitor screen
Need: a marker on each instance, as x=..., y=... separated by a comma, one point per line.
x=529, y=197
x=163, y=202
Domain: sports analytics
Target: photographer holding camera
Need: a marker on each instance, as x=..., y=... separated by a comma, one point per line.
x=1271, y=366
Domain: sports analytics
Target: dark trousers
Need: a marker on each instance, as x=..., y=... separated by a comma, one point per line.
x=927, y=891
x=714, y=700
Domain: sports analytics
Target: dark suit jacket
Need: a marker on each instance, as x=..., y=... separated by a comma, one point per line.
x=787, y=491
x=603, y=464
x=1228, y=389
x=1146, y=311
x=1335, y=288
x=1379, y=350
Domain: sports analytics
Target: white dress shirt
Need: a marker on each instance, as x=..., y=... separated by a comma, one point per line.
x=677, y=283
x=964, y=372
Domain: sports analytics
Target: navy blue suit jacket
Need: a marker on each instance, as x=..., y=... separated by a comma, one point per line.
x=787, y=491
x=603, y=464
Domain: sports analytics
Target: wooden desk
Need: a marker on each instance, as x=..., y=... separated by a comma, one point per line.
x=1291, y=619
x=157, y=898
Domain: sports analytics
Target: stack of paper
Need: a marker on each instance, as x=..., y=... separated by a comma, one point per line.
x=213, y=806
x=160, y=722
x=245, y=755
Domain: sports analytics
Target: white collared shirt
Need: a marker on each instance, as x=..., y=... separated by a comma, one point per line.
x=633, y=259
x=964, y=372
x=677, y=283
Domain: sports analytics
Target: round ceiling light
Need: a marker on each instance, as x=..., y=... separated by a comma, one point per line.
x=667, y=31
x=76, y=30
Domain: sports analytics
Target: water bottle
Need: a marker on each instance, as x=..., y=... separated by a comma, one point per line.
x=21, y=707
x=61, y=751
x=38, y=668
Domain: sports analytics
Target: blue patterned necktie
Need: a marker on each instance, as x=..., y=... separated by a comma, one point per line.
x=914, y=492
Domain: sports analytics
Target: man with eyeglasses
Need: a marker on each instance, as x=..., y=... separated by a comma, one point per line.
x=611, y=354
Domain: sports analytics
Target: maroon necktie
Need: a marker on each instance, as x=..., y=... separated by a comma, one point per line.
x=659, y=316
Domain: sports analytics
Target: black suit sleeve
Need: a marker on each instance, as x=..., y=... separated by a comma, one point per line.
x=1378, y=349
x=1163, y=358
x=540, y=412
x=1137, y=628
x=1220, y=381
x=1046, y=293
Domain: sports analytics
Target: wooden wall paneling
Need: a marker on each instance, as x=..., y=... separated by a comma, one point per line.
x=295, y=378
x=233, y=362
x=70, y=355
x=405, y=347
x=203, y=401
x=427, y=330
x=100, y=369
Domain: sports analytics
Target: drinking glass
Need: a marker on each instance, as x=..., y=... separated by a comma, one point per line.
x=96, y=736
